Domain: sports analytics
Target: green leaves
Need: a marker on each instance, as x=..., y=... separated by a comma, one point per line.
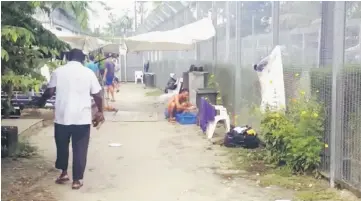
x=212, y=83
x=35, y=4
x=295, y=137
x=4, y=54
x=20, y=81
x=14, y=33
x=75, y=9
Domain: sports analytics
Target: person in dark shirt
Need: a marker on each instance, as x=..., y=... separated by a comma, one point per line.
x=146, y=67
x=108, y=77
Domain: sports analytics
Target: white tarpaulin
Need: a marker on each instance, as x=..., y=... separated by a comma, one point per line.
x=182, y=38
x=157, y=40
x=200, y=30
x=270, y=74
x=82, y=42
x=114, y=48
x=85, y=43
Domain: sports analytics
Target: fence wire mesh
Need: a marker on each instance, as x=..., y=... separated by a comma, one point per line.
x=306, y=38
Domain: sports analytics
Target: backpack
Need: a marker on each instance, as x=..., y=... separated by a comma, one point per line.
x=242, y=137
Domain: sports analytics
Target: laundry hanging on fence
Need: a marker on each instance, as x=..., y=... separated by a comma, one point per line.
x=206, y=114
x=270, y=75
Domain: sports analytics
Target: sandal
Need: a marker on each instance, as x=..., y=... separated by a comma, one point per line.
x=172, y=120
x=62, y=179
x=76, y=185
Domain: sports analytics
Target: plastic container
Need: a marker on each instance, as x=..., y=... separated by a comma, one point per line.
x=149, y=79
x=186, y=80
x=207, y=93
x=186, y=118
x=9, y=140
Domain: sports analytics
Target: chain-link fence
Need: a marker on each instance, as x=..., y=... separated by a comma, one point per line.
x=321, y=55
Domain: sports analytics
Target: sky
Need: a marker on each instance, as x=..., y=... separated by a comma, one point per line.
x=101, y=17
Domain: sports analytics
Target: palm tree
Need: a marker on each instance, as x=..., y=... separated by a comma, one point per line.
x=119, y=26
x=78, y=10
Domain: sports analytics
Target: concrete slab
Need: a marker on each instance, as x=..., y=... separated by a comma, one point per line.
x=133, y=116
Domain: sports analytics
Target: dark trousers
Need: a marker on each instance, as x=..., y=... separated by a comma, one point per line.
x=80, y=140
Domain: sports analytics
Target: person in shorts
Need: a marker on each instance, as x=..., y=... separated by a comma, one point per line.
x=108, y=77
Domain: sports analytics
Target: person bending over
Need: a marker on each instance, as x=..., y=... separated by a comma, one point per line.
x=178, y=104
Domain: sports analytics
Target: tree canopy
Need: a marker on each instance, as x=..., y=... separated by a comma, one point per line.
x=25, y=45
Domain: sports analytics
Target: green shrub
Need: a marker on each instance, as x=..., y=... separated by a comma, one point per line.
x=294, y=137
x=214, y=85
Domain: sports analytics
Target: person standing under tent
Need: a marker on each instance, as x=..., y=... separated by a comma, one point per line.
x=116, y=82
x=93, y=66
x=108, y=77
x=101, y=64
x=146, y=67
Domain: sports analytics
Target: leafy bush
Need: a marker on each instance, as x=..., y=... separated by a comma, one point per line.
x=294, y=137
x=25, y=149
x=214, y=85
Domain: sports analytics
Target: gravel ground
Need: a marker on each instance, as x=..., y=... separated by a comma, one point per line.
x=157, y=161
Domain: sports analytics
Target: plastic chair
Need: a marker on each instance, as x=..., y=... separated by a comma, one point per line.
x=211, y=126
x=138, y=75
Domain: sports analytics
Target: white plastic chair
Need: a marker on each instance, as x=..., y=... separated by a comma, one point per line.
x=138, y=75
x=211, y=126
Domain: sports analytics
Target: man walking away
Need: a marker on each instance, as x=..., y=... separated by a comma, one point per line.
x=74, y=85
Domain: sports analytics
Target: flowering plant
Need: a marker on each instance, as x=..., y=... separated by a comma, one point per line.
x=294, y=138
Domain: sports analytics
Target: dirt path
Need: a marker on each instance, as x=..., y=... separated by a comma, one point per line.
x=157, y=161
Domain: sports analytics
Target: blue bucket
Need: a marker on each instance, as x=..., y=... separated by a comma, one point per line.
x=186, y=118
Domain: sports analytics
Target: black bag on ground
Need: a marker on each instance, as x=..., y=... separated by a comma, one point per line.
x=242, y=137
x=171, y=84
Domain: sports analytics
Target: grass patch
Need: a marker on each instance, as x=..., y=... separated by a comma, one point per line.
x=307, y=188
x=315, y=195
x=156, y=92
x=25, y=149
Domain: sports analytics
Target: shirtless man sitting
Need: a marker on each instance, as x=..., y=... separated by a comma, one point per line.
x=178, y=104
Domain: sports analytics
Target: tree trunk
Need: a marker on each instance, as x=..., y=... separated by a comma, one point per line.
x=8, y=106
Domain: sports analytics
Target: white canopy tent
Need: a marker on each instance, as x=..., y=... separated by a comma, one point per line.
x=183, y=38
x=179, y=39
x=200, y=30
x=85, y=43
x=157, y=41
x=82, y=42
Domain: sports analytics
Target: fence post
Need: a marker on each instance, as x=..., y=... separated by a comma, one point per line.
x=339, y=21
x=238, y=70
x=228, y=29
x=198, y=45
x=275, y=23
x=326, y=36
x=214, y=41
